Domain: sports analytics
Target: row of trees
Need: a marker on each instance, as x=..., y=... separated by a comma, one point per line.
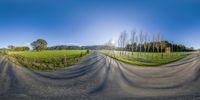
x=38, y=45
x=150, y=47
x=143, y=42
x=18, y=48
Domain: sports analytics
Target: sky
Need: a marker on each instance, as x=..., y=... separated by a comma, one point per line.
x=93, y=22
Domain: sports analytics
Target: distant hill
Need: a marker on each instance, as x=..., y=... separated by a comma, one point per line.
x=96, y=47
x=74, y=47
x=65, y=47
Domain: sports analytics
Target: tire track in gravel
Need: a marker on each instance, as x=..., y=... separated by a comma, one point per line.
x=99, y=77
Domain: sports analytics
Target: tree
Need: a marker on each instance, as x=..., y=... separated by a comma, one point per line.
x=141, y=39
x=149, y=44
x=39, y=44
x=191, y=48
x=154, y=43
x=21, y=48
x=182, y=47
x=163, y=44
x=158, y=42
x=122, y=41
x=11, y=47
x=132, y=39
x=136, y=43
x=172, y=44
x=145, y=42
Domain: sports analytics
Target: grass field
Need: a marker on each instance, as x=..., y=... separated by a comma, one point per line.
x=47, y=60
x=145, y=59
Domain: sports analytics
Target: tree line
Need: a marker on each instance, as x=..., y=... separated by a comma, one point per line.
x=150, y=47
x=41, y=44
x=18, y=48
x=38, y=45
x=144, y=42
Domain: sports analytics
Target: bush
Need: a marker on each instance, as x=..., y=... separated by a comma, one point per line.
x=88, y=51
x=21, y=48
x=3, y=52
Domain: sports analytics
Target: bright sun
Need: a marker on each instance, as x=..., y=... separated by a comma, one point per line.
x=113, y=41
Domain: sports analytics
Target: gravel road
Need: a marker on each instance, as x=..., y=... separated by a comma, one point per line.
x=99, y=77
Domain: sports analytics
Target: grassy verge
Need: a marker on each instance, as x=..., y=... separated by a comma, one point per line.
x=47, y=60
x=146, y=59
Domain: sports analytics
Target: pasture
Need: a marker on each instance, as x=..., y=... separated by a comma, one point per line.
x=47, y=60
x=144, y=58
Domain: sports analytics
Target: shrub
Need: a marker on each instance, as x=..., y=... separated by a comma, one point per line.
x=88, y=51
x=24, y=48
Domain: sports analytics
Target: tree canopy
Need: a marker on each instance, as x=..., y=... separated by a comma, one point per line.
x=39, y=44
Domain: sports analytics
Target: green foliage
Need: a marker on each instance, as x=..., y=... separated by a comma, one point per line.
x=39, y=45
x=4, y=52
x=152, y=47
x=47, y=60
x=24, y=48
x=88, y=51
x=11, y=47
x=18, y=48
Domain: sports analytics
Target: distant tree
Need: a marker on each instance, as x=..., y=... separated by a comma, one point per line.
x=172, y=46
x=181, y=47
x=191, y=48
x=136, y=43
x=11, y=47
x=149, y=45
x=145, y=42
x=39, y=44
x=154, y=43
x=122, y=41
x=163, y=44
x=132, y=39
x=158, y=39
x=21, y=48
x=141, y=39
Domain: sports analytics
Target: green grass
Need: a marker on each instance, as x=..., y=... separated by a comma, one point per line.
x=47, y=60
x=146, y=59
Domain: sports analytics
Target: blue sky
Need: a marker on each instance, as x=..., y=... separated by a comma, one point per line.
x=91, y=22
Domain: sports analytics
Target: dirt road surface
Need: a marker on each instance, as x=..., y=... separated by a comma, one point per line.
x=99, y=77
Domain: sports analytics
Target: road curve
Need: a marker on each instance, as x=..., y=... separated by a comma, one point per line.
x=99, y=77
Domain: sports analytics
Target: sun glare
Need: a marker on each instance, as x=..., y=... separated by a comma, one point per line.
x=113, y=41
